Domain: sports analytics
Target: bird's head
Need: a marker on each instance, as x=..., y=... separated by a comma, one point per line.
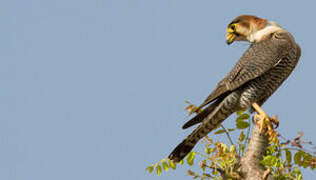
x=249, y=28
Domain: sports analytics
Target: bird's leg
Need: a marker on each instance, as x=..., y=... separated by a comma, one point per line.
x=263, y=119
x=260, y=117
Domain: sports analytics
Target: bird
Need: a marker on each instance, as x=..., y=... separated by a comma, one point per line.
x=270, y=58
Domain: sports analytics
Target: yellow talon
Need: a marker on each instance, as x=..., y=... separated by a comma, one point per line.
x=275, y=121
x=263, y=120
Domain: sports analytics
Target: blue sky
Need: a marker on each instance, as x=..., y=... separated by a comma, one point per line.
x=96, y=89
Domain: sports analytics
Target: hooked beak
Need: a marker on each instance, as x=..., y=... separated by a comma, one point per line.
x=230, y=37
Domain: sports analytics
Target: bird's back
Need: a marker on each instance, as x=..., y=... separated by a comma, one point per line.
x=270, y=81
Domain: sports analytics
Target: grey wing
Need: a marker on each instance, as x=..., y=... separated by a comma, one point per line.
x=294, y=58
x=259, y=58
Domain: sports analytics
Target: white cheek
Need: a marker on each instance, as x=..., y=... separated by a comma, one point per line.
x=243, y=30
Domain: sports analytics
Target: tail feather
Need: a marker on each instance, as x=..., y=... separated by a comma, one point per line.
x=202, y=115
x=187, y=144
x=211, y=120
x=181, y=151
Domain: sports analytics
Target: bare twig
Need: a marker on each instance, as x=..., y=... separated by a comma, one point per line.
x=248, y=133
x=201, y=154
x=228, y=136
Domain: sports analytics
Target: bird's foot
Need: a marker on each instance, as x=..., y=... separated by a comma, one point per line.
x=263, y=120
x=275, y=121
x=260, y=121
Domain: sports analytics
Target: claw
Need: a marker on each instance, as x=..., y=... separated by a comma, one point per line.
x=263, y=120
x=275, y=121
x=260, y=119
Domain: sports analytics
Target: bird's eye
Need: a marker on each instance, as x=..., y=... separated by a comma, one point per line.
x=233, y=27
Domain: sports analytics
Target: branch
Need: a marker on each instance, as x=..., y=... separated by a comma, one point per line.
x=251, y=168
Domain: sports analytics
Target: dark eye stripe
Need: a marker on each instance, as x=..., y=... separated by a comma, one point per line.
x=236, y=33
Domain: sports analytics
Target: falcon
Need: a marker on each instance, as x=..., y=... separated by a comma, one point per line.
x=269, y=60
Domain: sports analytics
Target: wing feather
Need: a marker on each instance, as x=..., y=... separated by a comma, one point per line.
x=258, y=59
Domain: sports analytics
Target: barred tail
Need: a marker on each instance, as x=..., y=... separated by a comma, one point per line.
x=213, y=120
x=202, y=115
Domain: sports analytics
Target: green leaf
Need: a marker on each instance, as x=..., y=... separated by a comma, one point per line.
x=276, y=162
x=243, y=117
x=208, y=150
x=267, y=160
x=224, y=146
x=150, y=169
x=181, y=162
x=232, y=149
x=307, y=160
x=270, y=161
x=240, y=124
x=230, y=129
x=241, y=136
x=288, y=155
x=172, y=164
x=190, y=158
x=242, y=148
x=298, y=157
x=270, y=150
x=220, y=131
x=158, y=169
x=240, y=112
x=296, y=171
x=165, y=166
x=190, y=162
